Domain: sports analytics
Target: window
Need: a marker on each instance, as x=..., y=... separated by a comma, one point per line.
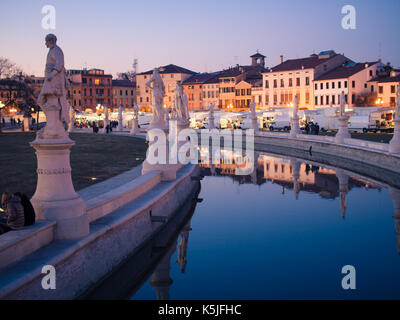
x=321, y=86
x=380, y=89
x=372, y=88
x=322, y=100
x=345, y=84
x=353, y=98
x=370, y=73
x=333, y=85
x=298, y=82
x=307, y=97
x=365, y=86
x=267, y=99
x=327, y=85
x=275, y=83
x=307, y=81
x=393, y=89
x=267, y=84
x=333, y=99
x=345, y=98
x=392, y=101
x=316, y=86
x=249, y=92
x=316, y=100
x=327, y=100
x=339, y=84
x=282, y=83
x=353, y=84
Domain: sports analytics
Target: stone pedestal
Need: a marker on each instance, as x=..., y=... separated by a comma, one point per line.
x=294, y=128
x=135, y=127
x=211, y=122
x=168, y=169
x=27, y=124
x=106, y=122
x=254, y=124
x=120, y=126
x=394, y=145
x=343, y=132
x=55, y=198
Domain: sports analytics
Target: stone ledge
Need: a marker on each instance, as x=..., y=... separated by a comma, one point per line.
x=110, y=201
x=80, y=262
x=16, y=244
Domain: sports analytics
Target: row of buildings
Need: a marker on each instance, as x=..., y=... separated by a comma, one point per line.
x=317, y=81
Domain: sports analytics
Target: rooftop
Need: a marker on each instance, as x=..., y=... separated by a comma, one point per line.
x=171, y=68
x=345, y=71
x=123, y=83
x=305, y=63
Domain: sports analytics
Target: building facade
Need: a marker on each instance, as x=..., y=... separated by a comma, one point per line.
x=170, y=75
x=353, y=79
x=201, y=90
x=124, y=94
x=88, y=88
x=295, y=78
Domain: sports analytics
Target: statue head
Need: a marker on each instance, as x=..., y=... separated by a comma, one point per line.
x=156, y=71
x=51, y=40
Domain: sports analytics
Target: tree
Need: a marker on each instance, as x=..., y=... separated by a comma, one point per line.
x=18, y=94
x=129, y=75
x=8, y=68
x=365, y=99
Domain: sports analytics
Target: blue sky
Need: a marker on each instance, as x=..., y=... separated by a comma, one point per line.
x=200, y=35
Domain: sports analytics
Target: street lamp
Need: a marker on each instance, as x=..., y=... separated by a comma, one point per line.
x=2, y=105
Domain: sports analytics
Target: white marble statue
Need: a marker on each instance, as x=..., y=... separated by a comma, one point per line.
x=342, y=102
x=181, y=103
x=253, y=109
x=211, y=110
x=55, y=84
x=158, y=93
x=136, y=111
x=295, y=108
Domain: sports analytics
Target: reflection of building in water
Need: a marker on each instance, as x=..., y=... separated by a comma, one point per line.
x=183, y=246
x=296, y=175
x=161, y=280
x=395, y=195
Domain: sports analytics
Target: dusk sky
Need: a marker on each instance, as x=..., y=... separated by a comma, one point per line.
x=203, y=36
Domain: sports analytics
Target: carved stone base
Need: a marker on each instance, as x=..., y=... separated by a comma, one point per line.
x=55, y=197
x=135, y=128
x=394, y=145
x=295, y=128
x=343, y=132
x=168, y=170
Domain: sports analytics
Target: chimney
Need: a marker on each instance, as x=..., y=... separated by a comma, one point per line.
x=281, y=58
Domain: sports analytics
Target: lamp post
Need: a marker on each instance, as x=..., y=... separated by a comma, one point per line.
x=2, y=105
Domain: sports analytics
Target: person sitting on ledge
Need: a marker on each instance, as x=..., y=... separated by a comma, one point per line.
x=14, y=218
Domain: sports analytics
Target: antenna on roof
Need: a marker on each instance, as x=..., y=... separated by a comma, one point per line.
x=135, y=65
x=379, y=50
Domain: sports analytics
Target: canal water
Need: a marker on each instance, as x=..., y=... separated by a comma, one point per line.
x=283, y=232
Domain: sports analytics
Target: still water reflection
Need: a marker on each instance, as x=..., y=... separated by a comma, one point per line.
x=283, y=232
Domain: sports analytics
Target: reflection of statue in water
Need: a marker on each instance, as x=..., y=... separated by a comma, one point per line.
x=183, y=246
x=181, y=103
x=55, y=84
x=158, y=93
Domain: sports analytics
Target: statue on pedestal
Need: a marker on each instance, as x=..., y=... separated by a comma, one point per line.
x=181, y=104
x=158, y=93
x=55, y=83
